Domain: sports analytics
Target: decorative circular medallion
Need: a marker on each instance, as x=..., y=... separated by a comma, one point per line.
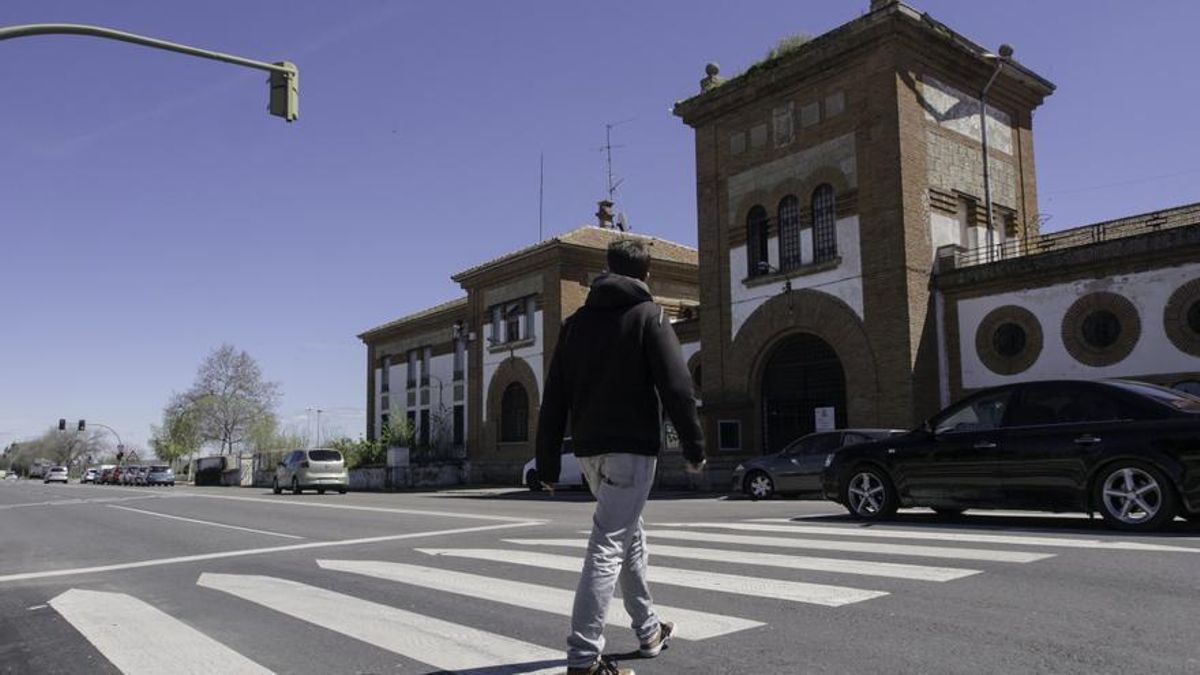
x=1181, y=318
x=1101, y=329
x=1008, y=340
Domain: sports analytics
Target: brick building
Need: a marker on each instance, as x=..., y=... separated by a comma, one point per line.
x=847, y=270
x=468, y=374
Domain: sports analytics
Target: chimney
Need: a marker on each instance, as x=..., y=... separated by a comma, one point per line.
x=880, y=4
x=604, y=215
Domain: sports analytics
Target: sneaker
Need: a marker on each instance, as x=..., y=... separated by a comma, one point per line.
x=602, y=666
x=650, y=649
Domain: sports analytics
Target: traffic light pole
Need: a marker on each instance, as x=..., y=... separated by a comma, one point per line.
x=285, y=77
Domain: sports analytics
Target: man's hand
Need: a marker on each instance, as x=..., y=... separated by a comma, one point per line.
x=695, y=468
x=548, y=487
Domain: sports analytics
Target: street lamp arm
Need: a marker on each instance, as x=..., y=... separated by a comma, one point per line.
x=29, y=30
x=110, y=430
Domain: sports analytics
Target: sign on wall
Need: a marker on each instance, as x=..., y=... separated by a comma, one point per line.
x=824, y=418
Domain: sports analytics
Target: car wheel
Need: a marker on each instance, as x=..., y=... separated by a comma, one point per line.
x=759, y=485
x=869, y=494
x=947, y=512
x=296, y=486
x=341, y=491
x=1134, y=496
x=320, y=491
x=275, y=487
x=532, y=481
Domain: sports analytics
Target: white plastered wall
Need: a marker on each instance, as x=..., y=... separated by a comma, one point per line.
x=532, y=354
x=1148, y=291
x=843, y=282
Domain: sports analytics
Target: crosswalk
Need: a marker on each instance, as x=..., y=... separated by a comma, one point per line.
x=724, y=559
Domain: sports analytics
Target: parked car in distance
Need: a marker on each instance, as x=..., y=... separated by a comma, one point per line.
x=1127, y=449
x=129, y=474
x=317, y=469
x=90, y=475
x=571, y=475
x=796, y=470
x=159, y=474
x=56, y=474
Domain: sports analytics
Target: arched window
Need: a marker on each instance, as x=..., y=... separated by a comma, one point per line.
x=824, y=223
x=514, y=414
x=756, y=241
x=789, y=233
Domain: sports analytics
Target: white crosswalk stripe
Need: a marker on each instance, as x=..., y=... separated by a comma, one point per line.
x=949, y=552
x=693, y=625
x=139, y=639
x=795, y=591
x=837, y=565
x=432, y=641
x=764, y=525
x=108, y=619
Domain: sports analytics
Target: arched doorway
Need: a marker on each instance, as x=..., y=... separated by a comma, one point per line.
x=802, y=376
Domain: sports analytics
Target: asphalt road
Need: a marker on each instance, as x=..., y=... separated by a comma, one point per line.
x=224, y=580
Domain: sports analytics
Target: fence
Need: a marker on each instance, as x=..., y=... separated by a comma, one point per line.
x=1081, y=236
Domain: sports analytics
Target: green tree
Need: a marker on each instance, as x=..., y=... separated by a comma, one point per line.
x=179, y=435
x=266, y=435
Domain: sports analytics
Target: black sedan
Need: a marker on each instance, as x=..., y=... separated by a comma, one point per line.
x=1126, y=449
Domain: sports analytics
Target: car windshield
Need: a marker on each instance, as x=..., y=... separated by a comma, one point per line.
x=1176, y=399
x=158, y=469
x=325, y=455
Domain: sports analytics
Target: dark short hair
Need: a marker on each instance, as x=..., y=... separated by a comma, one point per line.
x=629, y=257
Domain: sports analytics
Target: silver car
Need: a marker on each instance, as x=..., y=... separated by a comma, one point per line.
x=159, y=474
x=796, y=470
x=317, y=469
x=56, y=474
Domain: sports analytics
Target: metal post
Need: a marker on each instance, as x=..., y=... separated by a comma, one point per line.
x=1005, y=53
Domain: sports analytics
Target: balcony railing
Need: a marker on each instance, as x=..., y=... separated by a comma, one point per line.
x=1082, y=236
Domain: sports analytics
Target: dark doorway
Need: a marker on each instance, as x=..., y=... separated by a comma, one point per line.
x=803, y=374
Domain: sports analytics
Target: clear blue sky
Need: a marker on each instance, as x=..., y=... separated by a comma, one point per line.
x=150, y=208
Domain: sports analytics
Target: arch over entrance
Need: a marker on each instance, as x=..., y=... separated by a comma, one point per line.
x=814, y=313
x=801, y=379
x=513, y=370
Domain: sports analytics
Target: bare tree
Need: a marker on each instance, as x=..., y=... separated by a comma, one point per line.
x=65, y=448
x=229, y=397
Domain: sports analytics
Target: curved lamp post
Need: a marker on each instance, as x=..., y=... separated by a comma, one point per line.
x=285, y=77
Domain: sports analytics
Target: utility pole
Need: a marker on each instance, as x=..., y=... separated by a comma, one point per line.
x=284, y=98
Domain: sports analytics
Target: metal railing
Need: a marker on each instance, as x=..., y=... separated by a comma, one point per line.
x=1081, y=236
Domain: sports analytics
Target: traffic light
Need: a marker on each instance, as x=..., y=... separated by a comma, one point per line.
x=120, y=455
x=285, y=92
x=82, y=424
x=62, y=424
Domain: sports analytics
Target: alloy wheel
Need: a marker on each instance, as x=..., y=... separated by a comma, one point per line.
x=1132, y=496
x=867, y=494
x=760, y=486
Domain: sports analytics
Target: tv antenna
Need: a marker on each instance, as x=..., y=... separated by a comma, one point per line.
x=613, y=182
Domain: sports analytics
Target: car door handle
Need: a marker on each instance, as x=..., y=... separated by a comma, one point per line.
x=985, y=445
x=1087, y=439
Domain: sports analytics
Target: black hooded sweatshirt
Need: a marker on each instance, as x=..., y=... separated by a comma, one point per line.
x=615, y=358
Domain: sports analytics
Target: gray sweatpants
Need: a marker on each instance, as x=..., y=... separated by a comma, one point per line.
x=616, y=552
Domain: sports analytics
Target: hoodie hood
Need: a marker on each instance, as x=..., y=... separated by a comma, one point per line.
x=616, y=290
